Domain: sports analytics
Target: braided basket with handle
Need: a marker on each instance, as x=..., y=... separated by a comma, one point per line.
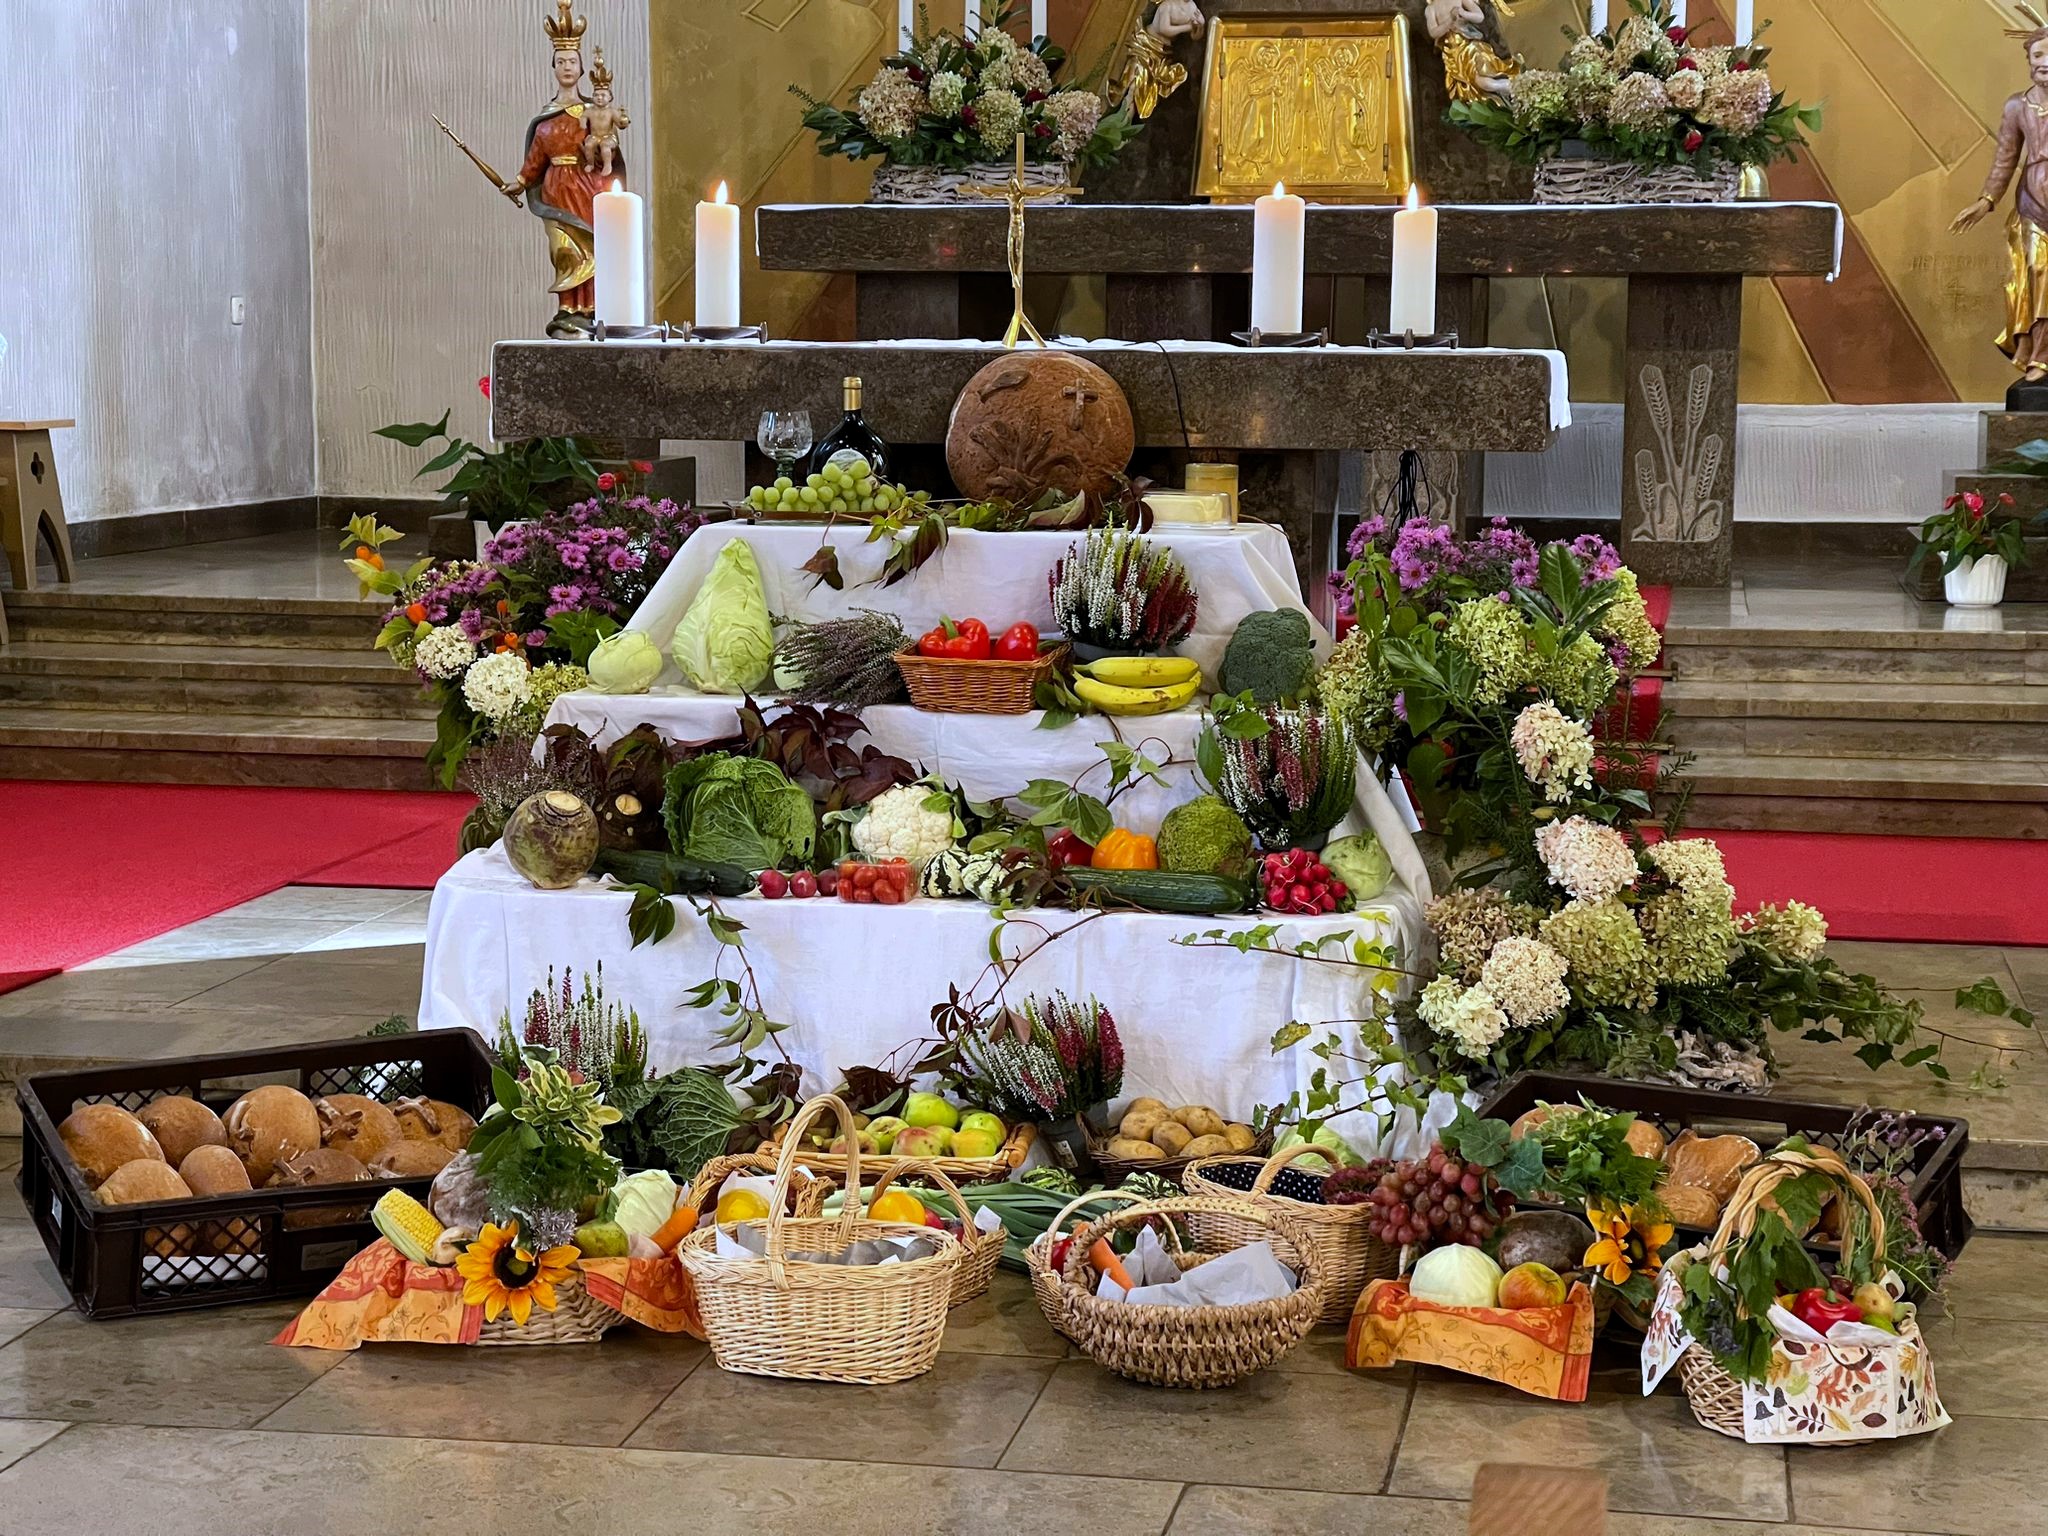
x=1713, y=1394
x=981, y=1249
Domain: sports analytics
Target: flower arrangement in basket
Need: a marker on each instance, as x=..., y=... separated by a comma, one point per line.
x=1769, y=1347
x=1648, y=111
x=1117, y=594
x=943, y=114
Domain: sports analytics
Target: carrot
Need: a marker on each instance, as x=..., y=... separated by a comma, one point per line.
x=1104, y=1258
x=676, y=1228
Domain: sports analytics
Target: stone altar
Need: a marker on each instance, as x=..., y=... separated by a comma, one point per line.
x=1178, y=271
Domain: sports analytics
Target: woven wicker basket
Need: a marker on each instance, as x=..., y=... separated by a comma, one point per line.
x=935, y=184
x=981, y=1250
x=775, y=1316
x=965, y=1170
x=1582, y=179
x=1348, y=1256
x=951, y=685
x=1194, y=1347
x=578, y=1318
x=1714, y=1396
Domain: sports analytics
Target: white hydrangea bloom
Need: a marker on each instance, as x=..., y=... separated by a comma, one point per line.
x=497, y=685
x=1588, y=859
x=1555, y=751
x=443, y=652
x=1526, y=977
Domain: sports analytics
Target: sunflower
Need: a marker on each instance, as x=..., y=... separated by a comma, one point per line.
x=499, y=1274
x=1631, y=1239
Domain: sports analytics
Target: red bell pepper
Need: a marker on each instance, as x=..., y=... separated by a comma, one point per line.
x=1019, y=643
x=1820, y=1310
x=1065, y=848
x=964, y=641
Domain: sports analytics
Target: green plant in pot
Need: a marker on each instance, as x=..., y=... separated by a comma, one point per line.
x=1975, y=544
x=515, y=480
x=1118, y=594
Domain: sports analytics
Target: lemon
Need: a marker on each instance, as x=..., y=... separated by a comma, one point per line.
x=740, y=1205
x=897, y=1205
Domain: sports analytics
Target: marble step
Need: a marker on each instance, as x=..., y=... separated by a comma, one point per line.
x=2028, y=492
x=1907, y=657
x=236, y=679
x=61, y=614
x=1864, y=718
x=2006, y=430
x=163, y=747
x=1918, y=797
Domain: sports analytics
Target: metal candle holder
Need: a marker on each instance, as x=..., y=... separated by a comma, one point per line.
x=667, y=332
x=1258, y=338
x=1408, y=341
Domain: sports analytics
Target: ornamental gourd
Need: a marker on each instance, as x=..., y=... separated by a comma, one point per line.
x=1125, y=849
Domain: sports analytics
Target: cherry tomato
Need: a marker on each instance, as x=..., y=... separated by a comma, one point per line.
x=888, y=895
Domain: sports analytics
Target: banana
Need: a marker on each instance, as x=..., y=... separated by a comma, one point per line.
x=1142, y=671
x=1113, y=700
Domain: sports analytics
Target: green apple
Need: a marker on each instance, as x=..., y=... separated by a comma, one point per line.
x=978, y=1142
x=982, y=1120
x=928, y=1109
x=884, y=1129
x=923, y=1141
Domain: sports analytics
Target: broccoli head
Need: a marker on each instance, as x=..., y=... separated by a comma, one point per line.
x=1272, y=654
x=1205, y=837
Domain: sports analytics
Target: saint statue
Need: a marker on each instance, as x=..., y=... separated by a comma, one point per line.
x=559, y=182
x=1476, y=61
x=2022, y=148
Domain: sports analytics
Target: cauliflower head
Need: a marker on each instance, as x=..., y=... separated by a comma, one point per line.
x=897, y=826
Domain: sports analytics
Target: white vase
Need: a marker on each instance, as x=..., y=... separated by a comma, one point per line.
x=1976, y=583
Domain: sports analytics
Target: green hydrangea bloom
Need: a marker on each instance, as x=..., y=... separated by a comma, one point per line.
x=1609, y=960
x=1579, y=677
x=1493, y=636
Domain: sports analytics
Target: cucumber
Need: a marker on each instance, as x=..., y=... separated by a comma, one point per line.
x=671, y=875
x=1162, y=890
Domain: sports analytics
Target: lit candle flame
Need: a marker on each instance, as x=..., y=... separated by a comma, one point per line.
x=719, y=195
x=1279, y=189
x=1414, y=195
x=618, y=186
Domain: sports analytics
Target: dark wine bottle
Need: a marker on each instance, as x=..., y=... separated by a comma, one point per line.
x=853, y=433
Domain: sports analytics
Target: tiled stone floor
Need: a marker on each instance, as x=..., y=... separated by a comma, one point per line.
x=197, y=1424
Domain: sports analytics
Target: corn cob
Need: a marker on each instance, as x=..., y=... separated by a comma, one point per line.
x=410, y=1226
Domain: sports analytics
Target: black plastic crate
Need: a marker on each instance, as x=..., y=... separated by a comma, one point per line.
x=209, y=1251
x=1935, y=1182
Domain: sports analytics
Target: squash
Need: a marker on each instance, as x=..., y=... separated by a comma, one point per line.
x=956, y=872
x=1125, y=849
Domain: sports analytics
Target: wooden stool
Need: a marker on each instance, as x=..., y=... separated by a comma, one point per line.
x=31, y=506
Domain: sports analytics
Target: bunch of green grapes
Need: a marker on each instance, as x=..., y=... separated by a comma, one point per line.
x=835, y=488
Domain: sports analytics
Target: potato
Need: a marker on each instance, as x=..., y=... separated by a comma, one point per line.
x=1242, y=1138
x=1148, y=1103
x=1170, y=1136
x=1124, y=1149
x=1206, y=1146
x=1200, y=1119
x=1138, y=1123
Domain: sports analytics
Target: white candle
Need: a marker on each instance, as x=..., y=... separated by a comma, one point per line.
x=618, y=225
x=906, y=22
x=1745, y=23
x=1678, y=12
x=970, y=21
x=718, y=261
x=1596, y=21
x=1278, y=239
x=1414, y=282
x=1037, y=19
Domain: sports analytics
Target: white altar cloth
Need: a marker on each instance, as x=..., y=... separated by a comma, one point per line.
x=854, y=982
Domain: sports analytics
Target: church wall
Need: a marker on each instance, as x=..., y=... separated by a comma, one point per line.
x=162, y=171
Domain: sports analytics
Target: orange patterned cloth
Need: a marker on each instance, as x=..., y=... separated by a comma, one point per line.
x=382, y=1297
x=1544, y=1351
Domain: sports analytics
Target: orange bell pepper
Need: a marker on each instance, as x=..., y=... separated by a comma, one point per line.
x=1124, y=849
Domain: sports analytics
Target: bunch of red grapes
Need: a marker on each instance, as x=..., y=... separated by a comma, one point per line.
x=1436, y=1201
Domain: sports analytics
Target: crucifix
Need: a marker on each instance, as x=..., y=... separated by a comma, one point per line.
x=1017, y=194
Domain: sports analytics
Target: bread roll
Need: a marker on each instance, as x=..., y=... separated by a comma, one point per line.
x=322, y=1165
x=1645, y=1140
x=103, y=1138
x=212, y=1170
x=411, y=1160
x=424, y=1119
x=179, y=1124
x=147, y=1178
x=359, y=1126
x=268, y=1125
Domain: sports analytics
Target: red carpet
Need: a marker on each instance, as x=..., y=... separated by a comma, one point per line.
x=1953, y=890
x=92, y=868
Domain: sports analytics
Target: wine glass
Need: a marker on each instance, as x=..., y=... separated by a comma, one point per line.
x=785, y=437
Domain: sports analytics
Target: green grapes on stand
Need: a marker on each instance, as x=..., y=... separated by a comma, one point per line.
x=836, y=490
